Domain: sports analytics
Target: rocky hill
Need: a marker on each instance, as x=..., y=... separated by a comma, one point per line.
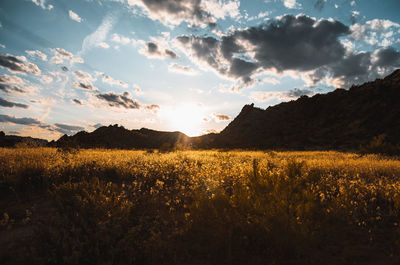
x=342, y=119
x=13, y=140
x=115, y=136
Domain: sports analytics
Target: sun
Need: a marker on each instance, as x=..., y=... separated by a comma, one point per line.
x=186, y=118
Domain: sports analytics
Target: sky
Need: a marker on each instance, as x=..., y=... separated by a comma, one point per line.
x=179, y=65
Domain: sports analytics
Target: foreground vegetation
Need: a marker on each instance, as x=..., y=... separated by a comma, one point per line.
x=197, y=207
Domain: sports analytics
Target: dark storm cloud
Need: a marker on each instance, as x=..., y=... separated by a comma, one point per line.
x=387, y=57
x=123, y=100
x=14, y=64
x=296, y=43
x=359, y=68
x=288, y=43
x=242, y=68
x=353, y=65
x=9, y=104
x=22, y=121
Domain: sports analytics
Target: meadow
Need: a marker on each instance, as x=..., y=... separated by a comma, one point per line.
x=198, y=207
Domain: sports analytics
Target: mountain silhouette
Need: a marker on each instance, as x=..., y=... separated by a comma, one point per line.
x=115, y=136
x=342, y=119
x=12, y=140
x=339, y=120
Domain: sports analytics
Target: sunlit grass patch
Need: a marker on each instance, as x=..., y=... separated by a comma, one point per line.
x=201, y=207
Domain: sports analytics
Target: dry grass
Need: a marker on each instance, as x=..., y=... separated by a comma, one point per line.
x=198, y=207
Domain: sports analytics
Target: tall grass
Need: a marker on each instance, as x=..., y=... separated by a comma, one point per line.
x=201, y=207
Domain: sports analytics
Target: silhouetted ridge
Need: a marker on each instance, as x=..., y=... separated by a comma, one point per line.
x=115, y=136
x=342, y=119
x=12, y=140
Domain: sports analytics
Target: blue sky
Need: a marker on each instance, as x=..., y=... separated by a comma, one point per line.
x=74, y=65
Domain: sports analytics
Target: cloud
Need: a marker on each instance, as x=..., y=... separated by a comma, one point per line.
x=154, y=108
x=77, y=101
x=99, y=35
x=18, y=64
x=122, y=39
x=181, y=69
x=11, y=79
x=63, y=54
x=45, y=79
x=58, y=127
x=260, y=15
x=85, y=81
x=103, y=45
x=264, y=96
x=37, y=53
x=376, y=32
x=291, y=4
x=221, y=117
x=42, y=4
x=83, y=76
x=297, y=92
x=74, y=16
x=22, y=121
x=270, y=80
x=120, y=101
x=85, y=85
x=97, y=125
x=9, y=104
x=198, y=12
x=359, y=68
x=2, y=46
x=152, y=49
x=297, y=43
x=11, y=84
x=67, y=128
x=109, y=80
x=56, y=60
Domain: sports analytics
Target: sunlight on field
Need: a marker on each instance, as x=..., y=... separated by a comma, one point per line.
x=208, y=207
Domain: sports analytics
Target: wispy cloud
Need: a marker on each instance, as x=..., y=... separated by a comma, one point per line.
x=99, y=35
x=181, y=69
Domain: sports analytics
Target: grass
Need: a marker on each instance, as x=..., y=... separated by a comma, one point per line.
x=198, y=207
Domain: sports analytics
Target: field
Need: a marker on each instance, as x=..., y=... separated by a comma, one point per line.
x=197, y=207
